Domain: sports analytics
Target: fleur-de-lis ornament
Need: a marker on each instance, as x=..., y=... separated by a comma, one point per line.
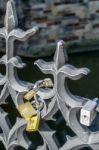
x=10, y=33
x=60, y=69
x=68, y=103
x=13, y=137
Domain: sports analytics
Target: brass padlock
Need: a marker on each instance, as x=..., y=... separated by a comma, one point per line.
x=33, y=124
x=43, y=83
x=27, y=110
x=28, y=96
x=31, y=115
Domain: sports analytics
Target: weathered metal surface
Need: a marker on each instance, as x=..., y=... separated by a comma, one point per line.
x=47, y=97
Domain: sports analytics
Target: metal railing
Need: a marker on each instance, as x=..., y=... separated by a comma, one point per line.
x=39, y=102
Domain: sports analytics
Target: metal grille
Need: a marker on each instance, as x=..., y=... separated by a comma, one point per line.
x=39, y=102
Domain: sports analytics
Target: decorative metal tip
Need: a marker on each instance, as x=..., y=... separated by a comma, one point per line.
x=10, y=18
x=87, y=71
x=11, y=1
x=60, y=57
x=36, y=29
x=61, y=43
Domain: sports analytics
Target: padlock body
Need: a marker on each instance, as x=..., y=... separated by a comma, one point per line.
x=28, y=96
x=33, y=124
x=27, y=110
x=88, y=113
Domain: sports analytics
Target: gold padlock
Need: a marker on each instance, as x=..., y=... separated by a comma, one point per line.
x=28, y=96
x=43, y=83
x=33, y=124
x=27, y=110
x=31, y=115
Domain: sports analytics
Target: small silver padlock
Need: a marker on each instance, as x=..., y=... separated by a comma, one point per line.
x=88, y=113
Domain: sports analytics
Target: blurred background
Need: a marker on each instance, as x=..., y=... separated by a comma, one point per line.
x=74, y=21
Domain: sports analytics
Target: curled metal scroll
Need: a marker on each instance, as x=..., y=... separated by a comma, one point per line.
x=57, y=98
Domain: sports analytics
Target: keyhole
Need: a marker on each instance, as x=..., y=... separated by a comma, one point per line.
x=85, y=117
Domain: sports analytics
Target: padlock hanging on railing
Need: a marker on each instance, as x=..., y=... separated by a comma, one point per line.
x=33, y=123
x=88, y=113
x=31, y=115
x=46, y=83
x=30, y=111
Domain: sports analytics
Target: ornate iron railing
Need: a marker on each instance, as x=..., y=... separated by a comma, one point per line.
x=39, y=102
